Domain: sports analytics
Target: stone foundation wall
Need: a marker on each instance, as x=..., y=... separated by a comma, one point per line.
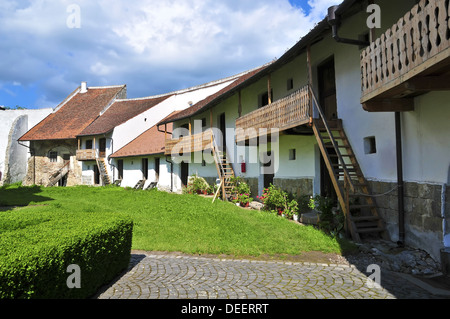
x=423, y=214
x=40, y=168
x=295, y=186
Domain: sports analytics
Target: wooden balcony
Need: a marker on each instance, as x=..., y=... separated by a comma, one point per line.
x=86, y=155
x=187, y=144
x=409, y=59
x=283, y=114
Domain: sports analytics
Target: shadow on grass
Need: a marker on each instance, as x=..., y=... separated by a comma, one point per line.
x=16, y=196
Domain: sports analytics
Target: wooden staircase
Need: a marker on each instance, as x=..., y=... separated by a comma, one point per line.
x=352, y=189
x=103, y=171
x=224, y=170
x=56, y=177
x=140, y=184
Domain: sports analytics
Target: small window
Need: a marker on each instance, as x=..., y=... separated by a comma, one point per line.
x=370, y=145
x=53, y=157
x=89, y=144
x=290, y=84
x=292, y=154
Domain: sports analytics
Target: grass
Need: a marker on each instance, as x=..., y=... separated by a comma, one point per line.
x=182, y=223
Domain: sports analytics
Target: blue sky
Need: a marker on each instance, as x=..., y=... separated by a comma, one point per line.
x=48, y=47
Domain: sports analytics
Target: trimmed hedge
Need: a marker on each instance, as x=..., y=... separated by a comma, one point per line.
x=37, y=248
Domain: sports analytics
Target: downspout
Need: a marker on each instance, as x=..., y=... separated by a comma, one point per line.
x=334, y=21
x=400, y=183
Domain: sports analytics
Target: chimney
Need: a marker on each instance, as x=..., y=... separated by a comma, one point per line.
x=83, y=87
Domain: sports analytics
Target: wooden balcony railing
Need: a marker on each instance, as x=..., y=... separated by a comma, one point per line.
x=86, y=155
x=417, y=44
x=191, y=143
x=288, y=112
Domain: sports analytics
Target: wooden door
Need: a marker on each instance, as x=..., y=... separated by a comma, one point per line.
x=184, y=173
x=223, y=129
x=327, y=89
x=102, y=148
x=144, y=168
x=120, y=168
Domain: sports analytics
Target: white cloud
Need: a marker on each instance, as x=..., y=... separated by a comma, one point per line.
x=153, y=46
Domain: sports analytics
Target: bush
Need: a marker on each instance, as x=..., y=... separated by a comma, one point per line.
x=331, y=221
x=241, y=191
x=197, y=185
x=36, y=249
x=275, y=199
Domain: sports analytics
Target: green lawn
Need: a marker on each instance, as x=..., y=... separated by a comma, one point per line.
x=182, y=223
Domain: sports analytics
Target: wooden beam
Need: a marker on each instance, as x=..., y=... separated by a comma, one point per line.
x=269, y=89
x=310, y=81
x=308, y=63
x=210, y=118
x=428, y=83
x=389, y=105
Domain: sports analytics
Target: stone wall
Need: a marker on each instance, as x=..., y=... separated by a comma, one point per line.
x=295, y=186
x=423, y=213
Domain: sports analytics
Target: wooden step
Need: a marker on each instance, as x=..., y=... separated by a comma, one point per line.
x=339, y=146
x=364, y=218
x=370, y=230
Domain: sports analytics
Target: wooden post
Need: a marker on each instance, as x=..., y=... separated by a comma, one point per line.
x=240, y=105
x=372, y=34
x=79, y=144
x=210, y=118
x=310, y=82
x=269, y=89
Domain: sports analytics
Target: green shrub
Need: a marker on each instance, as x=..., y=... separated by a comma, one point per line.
x=36, y=249
x=196, y=185
x=331, y=222
x=241, y=191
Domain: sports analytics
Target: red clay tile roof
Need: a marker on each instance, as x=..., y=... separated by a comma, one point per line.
x=213, y=99
x=120, y=112
x=150, y=142
x=75, y=113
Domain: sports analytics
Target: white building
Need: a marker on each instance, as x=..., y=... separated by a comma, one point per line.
x=329, y=67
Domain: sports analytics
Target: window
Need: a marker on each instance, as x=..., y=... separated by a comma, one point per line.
x=292, y=154
x=89, y=144
x=204, y=122
x=290, y=84
x=370, y=145
x=53, y=157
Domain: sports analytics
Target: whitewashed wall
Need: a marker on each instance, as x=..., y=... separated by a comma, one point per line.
x=15, y=123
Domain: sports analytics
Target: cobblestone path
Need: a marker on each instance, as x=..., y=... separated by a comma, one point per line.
x=189, y=277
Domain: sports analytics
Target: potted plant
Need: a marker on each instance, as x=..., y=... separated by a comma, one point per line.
x=241, y=191
x=198, y=185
